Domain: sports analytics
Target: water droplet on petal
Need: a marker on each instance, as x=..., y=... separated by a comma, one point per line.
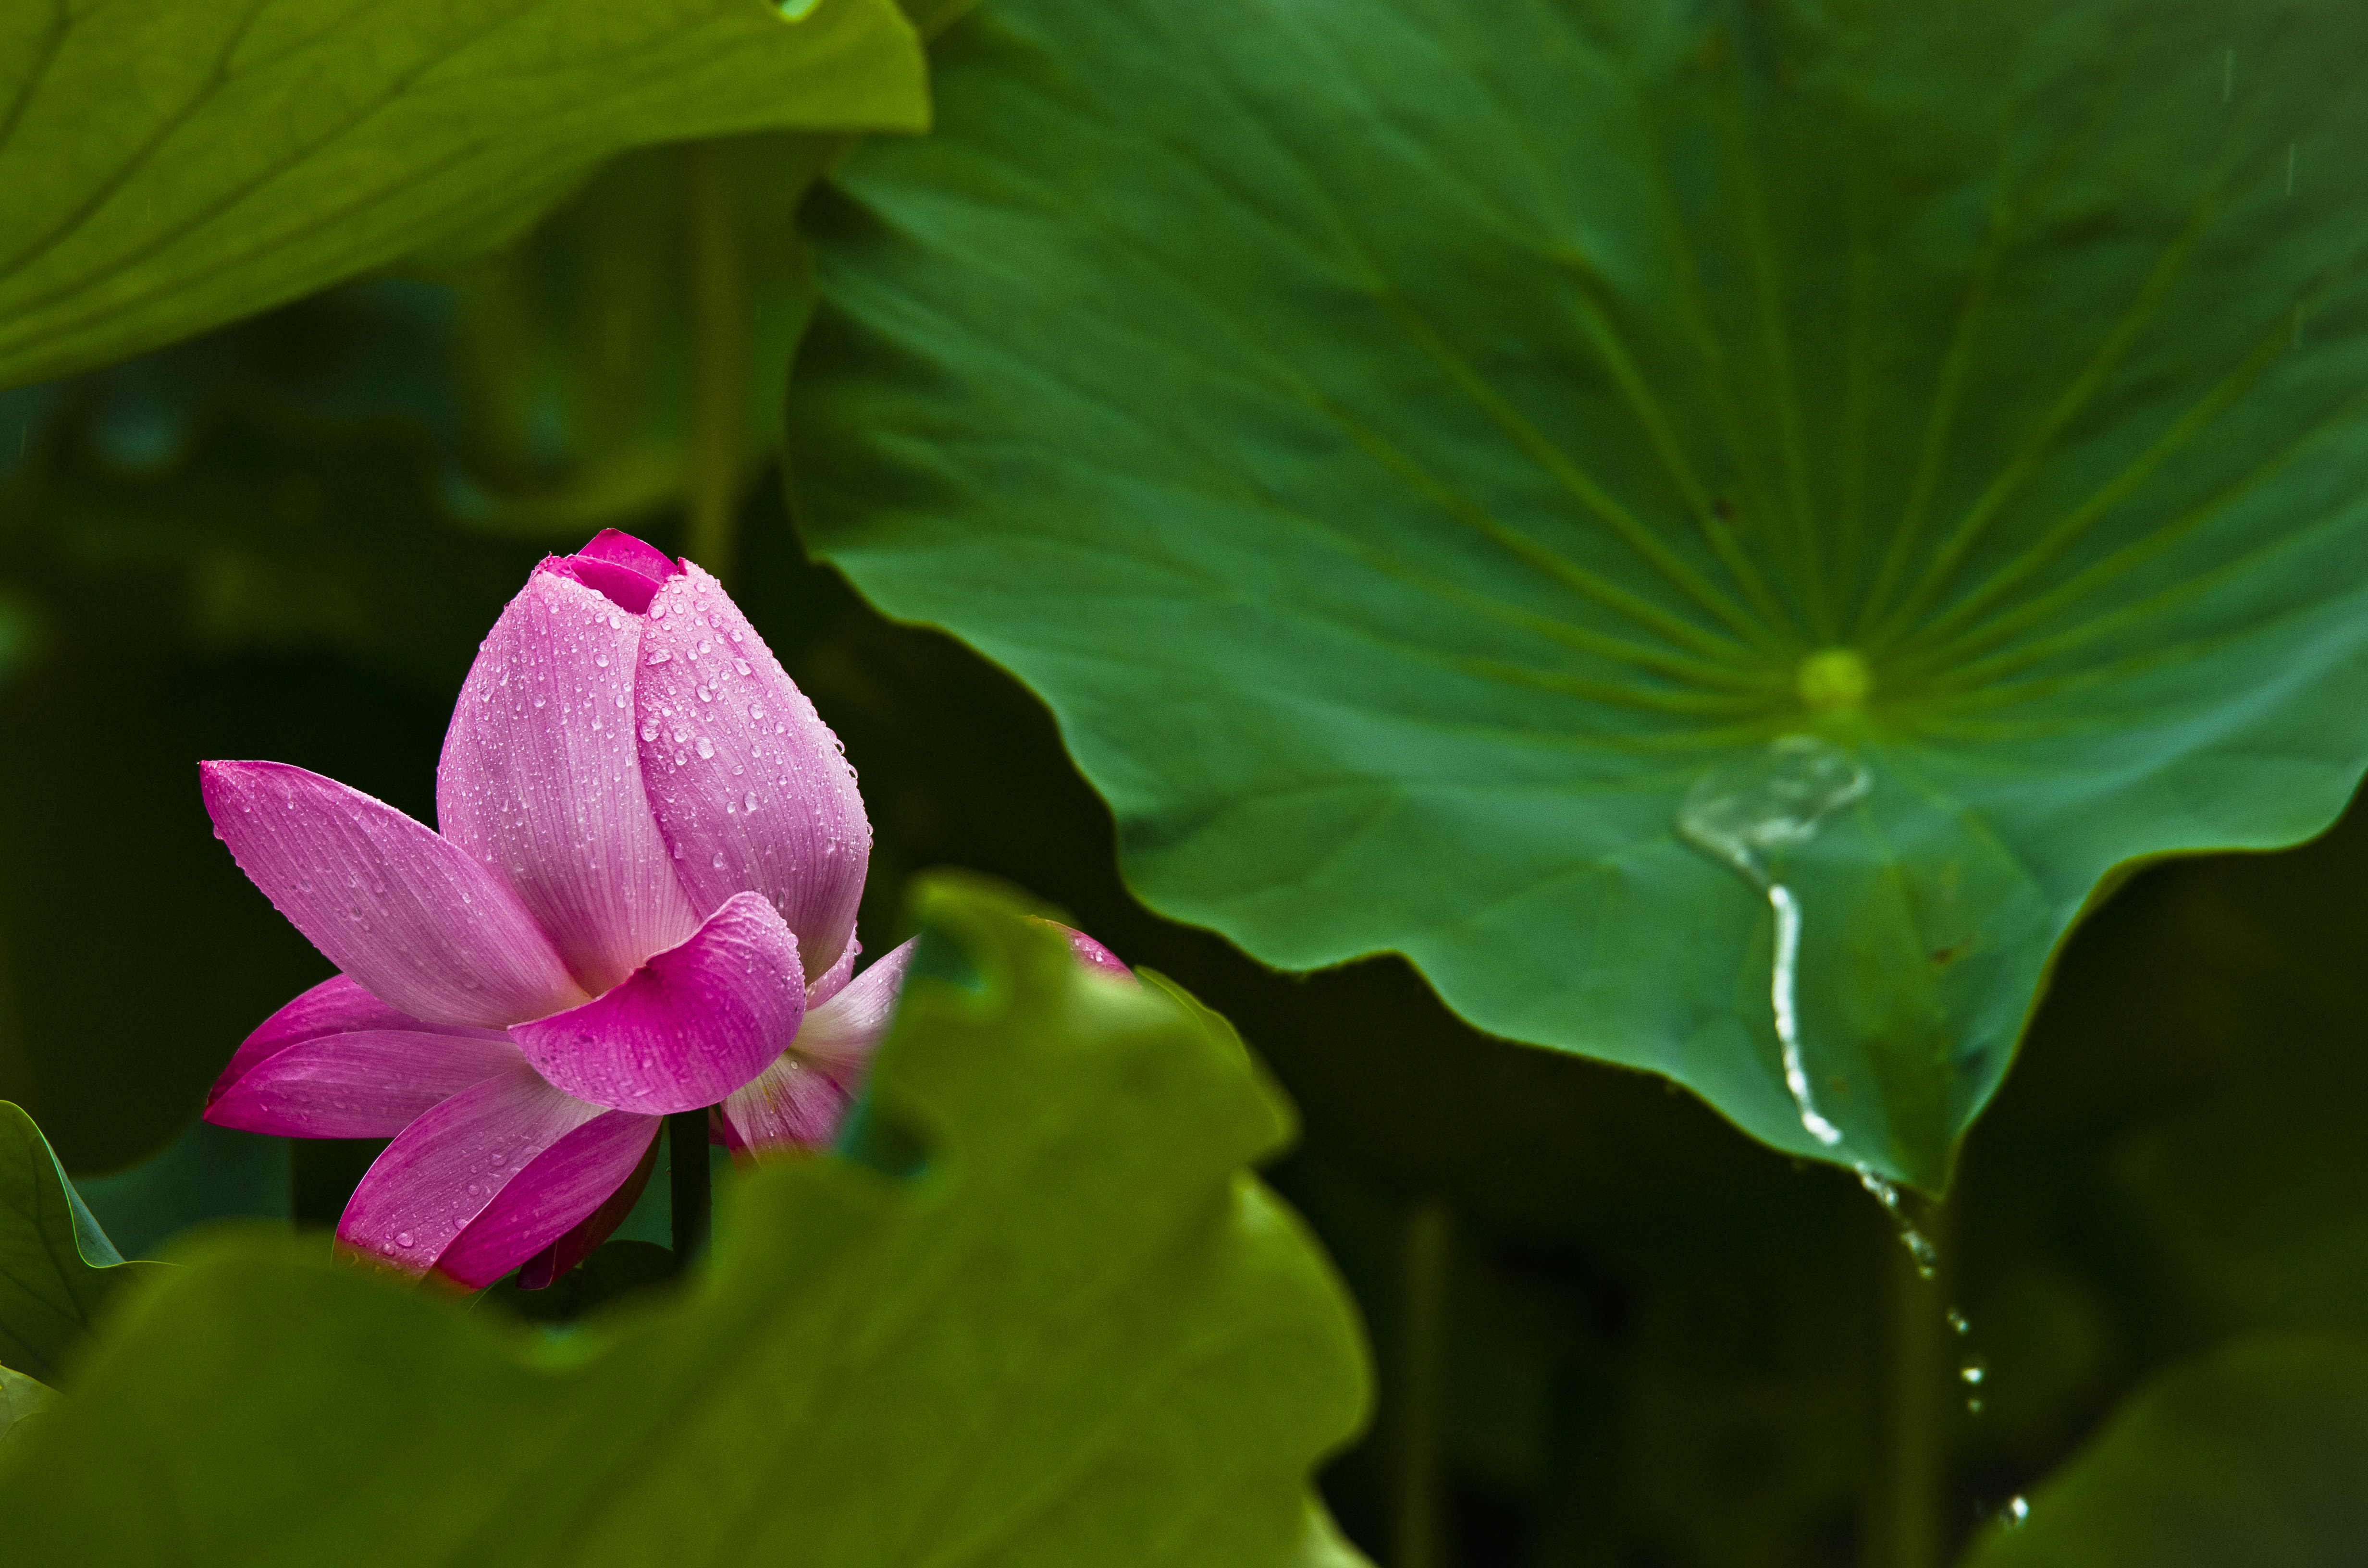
x=660, y=657
x=649, y=729
x=719, y=859
x=749, y=805
x=402, y=1238
x=706, y=746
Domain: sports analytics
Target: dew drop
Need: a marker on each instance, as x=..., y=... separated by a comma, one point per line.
x=749, y=802
x=707, y=694
x=2015, y=1512
x=402, y=1238
x=649, y=729
x=601, y=660
x=743, y=664
x=1973, y=1370
x=719, y=859
x=660, y=657
x=706, y=747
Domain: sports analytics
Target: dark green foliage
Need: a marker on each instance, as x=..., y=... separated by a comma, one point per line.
x=272, y=149
x=1408, y=443
x=57, y=1268
x=2251, y=1458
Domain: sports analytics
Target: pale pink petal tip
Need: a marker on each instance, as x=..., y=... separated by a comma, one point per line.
x=686, y=1028
x=796, y=1104
x=1090, y=953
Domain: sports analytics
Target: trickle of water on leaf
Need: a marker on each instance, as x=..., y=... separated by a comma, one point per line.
x=1741, y=812
x=1958, y=1322
x=2013, y=1516
x=1920, y=1250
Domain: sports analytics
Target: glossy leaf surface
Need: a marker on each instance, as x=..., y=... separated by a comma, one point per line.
x=1078, y=1332
x=173, y=165
x=2250, y=1457
x=1410, y=445
x=57, y=1268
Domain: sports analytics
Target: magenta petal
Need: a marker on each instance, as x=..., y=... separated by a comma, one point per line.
x=620, y=549
x=538, y=1272
x=798, y=1101
x=362, y=1084
x=748, y=784
x=566, y=1184
x=443, y=1170
x=407, y=916
x=624, y=570
x=689, y=1026
x=337, y=1005
x=541, y=781
x=1088, y=952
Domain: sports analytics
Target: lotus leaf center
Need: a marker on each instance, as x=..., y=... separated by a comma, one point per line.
x=1833, y=678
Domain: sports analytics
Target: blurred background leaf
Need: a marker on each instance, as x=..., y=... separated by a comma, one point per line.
x=273, y=147
x=208, y=1173
x=57, y=1268
x=1125, y=1339
x=1409, y=444
x=2251, y=1458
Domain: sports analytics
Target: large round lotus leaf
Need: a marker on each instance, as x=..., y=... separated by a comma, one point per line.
x=1412, y=445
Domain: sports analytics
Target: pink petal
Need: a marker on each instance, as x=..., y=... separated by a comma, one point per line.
x=538, y=1272
x=567, y=1183
x=541, y=781
x=337, y=1005
x=842, y=1033
x=362, y=1084
x=798, y=1101
x=445, y=1169
x=621, y=568
x=1090, y=953
x=793, y=1108
x=835, y=977
x=689, y=1026
x=408, y=916
x=749, y=786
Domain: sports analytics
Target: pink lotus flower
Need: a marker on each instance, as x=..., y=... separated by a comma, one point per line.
x=642, y=901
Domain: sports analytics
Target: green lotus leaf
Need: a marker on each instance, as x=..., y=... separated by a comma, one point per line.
x=1422, y=451
x=2249, y=1458
x=57, y=1268
x=173, y=165
x=1076, y=1330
